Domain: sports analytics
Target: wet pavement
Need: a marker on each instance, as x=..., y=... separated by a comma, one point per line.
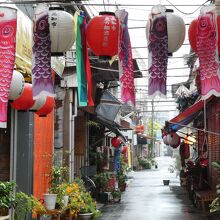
x=146, y=198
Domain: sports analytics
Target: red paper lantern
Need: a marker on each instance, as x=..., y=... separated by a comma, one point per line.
x=124, y=150
x=102, y=34
x=46, y=108
x=192, y=33
x=116, y=141
x=139, y=129
x=25, y=101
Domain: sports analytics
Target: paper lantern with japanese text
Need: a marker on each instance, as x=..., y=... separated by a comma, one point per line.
x=192, y=33
x=173, y=139
x=17, y=85
x=62, y=33
x=47, y=108
x=116, y=141
x=102, y=34
x=25, y=101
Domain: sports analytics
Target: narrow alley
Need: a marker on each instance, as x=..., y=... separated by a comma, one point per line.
x=146, y=198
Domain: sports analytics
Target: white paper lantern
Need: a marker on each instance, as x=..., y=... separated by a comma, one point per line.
x=62, y=33
x=39, y=103
x=173, y=139
x=175, y=28
x=17, y=85
x=176, y=32
x=165, y=141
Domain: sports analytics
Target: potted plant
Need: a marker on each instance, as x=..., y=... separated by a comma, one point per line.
x=7, y=197
x=55, y=194
x=88, y=207
x=25, y=205
x=116, y=195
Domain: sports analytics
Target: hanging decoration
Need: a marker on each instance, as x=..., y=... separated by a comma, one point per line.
x=80, y=67
x=102, y=34
x=116, y=141
x=47, y=108
x=25, y=101
x=192, y=34
x=176, y=31
x=41, y=67
x=165, y=34
x=173, y=139
x=184, y=150
x=158, y=52
x=126, y=69
x=165, y=141
x=208, y=53
x=8, y=26
x=139, y=129
x=17, y=85
x=116, y=167
x=39, y=103
x=86, y=62
x=62, y=34
x=124, y=149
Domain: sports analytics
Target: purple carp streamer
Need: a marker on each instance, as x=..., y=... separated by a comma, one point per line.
x=8, y=27
x=208, y=54
x=126, y=68
x=41, y=68
x=158, y=56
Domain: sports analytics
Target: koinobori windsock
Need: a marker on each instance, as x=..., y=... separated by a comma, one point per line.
x=8, y=27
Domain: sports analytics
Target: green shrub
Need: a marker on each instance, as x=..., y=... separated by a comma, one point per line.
x=145, y=163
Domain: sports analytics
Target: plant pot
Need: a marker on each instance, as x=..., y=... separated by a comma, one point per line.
x=84, y=216
x=122, y=187
x=117, y=199
x=166, y=182
x=50, y=201
x=65, y=201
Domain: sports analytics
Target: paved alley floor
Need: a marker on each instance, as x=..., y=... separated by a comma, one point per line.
x=146, y=198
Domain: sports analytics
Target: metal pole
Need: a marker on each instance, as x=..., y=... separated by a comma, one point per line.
x=152, y=102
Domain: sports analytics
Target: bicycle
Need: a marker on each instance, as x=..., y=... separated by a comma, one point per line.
x=86, y=173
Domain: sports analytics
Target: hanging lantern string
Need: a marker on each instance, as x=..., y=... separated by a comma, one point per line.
x=206, y=131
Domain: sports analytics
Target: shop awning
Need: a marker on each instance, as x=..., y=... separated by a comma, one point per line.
x=114, y=127
x=187, y=116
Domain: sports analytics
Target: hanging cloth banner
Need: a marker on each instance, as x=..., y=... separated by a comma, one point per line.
x=207, y=50
x=158, y=54
x=8, y=26
x=80, y=67
x=86, y=63
x=41, y=66
x=126, y=69
x=116, y=167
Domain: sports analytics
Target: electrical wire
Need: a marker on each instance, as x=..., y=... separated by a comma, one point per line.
x=190, y=13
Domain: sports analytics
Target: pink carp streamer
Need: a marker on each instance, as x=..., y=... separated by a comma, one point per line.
x=8, y=27
x=126, y=68
x=41, y=67
x=158, y=56
x=208, y=54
